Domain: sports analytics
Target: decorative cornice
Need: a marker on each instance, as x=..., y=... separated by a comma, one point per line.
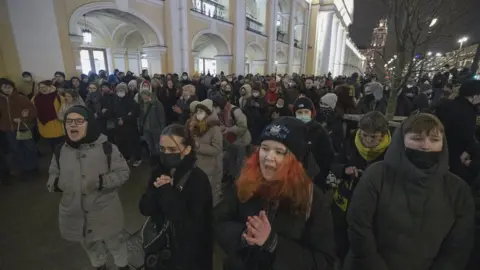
x=76, y=40
x=223, y=57
x=158, y=3
x=205, y=17
x=119, y=51
x=161, y=49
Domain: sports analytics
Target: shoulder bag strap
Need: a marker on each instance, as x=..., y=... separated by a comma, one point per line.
x=181, y=183
x=167, y=223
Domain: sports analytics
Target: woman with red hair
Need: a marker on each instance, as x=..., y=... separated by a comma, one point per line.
x=275, y=217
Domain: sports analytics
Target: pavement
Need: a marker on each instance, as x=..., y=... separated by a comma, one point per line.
x=29, y=234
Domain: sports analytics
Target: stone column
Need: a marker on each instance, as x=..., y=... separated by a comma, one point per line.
x=325, y=36
x=239, y=37
x=119, y=59
x=184, y=35
x=272, y=9
x=291, y=38
x=36, y=35
x=77, y=42
x=333, y=45
x=342, y=55
x=338, y=53
x=174, y=24
x=154, y=58
x=223, y=63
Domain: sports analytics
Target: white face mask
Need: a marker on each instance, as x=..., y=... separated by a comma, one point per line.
x=184, y=77
x=409, y=85
x=255, y=94
x=201, y=116
x=279, y=106
x=121, y=94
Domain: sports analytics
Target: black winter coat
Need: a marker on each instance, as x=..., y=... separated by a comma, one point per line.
x=302, y=245
x=459, y=119
x=348, y=156
x=401, y=217
x=190, y=212
x=321, y=148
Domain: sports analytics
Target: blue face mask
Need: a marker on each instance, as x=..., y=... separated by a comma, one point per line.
x=304, y=118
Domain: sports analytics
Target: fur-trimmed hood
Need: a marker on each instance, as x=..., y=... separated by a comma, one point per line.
x=194, y=125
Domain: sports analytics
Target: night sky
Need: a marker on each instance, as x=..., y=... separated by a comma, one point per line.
x=368, y=12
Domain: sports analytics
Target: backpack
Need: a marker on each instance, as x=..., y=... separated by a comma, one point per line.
x=107, y=149
x=252, y=116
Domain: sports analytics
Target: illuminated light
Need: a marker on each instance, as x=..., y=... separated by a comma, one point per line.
x=87, y=36
x=434, y=21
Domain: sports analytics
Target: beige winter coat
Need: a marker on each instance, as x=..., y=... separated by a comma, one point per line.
x=210, y=153
x=85, y=213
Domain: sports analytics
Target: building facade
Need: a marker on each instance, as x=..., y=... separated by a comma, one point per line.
x=162, y=36
x=377, y=45
x=330, y=47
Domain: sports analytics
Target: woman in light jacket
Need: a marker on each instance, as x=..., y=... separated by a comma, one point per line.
x=88, y=171
x=205, y=128
x=71, y=98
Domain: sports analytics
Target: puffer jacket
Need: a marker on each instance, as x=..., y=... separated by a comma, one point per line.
x=245, y=97
x=87, y=212
x=210, y=155
x=402, y=217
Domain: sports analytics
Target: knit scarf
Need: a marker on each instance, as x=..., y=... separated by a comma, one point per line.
x=370, y=154
x=45, y=104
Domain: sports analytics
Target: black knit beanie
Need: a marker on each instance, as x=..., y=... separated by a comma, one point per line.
x=302, y=103
x=289, y=131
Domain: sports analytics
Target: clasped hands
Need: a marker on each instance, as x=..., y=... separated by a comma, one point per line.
x=258, y=229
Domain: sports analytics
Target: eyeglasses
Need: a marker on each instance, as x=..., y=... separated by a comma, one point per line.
x=78, y=121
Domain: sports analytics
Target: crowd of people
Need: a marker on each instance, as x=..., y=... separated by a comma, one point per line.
x=257, y=172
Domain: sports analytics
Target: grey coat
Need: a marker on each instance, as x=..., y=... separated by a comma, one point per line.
x=238, y=126
x=85, y=212
x=210, y=155
x=154, y=121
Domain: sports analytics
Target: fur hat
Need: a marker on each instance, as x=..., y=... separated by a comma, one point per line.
x=206, y=105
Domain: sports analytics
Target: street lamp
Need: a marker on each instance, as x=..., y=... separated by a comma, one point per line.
x=438, y=54
x=462, y=40
x=433, y=22
x=395, y=56
x=429, y=53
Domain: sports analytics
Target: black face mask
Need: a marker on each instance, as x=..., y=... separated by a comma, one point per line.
x=170, y=161
x=421, y=159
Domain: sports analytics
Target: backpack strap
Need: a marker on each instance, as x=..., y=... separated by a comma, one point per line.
x=232, y=114
x=56, y=152
x=107, y=149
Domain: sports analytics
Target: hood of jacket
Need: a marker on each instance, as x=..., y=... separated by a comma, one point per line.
x=396, y=158
x=248, y=90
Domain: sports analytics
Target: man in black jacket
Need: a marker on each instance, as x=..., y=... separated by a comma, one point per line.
x=318, y=139
x=459, y=118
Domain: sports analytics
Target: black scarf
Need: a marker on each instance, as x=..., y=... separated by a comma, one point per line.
x=93, y=130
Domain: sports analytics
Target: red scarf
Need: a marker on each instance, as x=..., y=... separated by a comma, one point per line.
x=45, y=104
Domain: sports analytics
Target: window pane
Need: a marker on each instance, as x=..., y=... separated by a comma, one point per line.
x=144, y=64
x=85, y=60
x=99, y=59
